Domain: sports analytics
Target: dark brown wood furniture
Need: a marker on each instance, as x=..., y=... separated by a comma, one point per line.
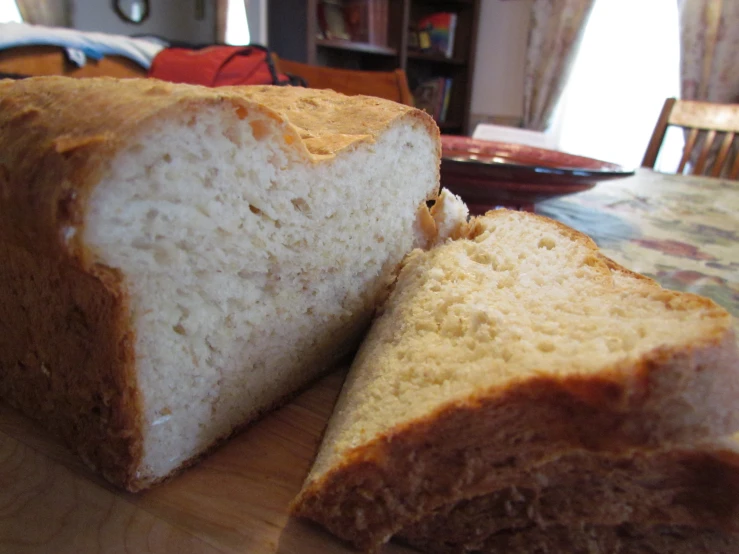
x=710, y=146
x=294, y=35
x=391, y=85
x=50, y=60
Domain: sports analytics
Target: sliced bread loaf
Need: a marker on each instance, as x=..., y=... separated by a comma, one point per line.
x=503, y=349
x=689, y=487
x=598, y=539
x=175, y=260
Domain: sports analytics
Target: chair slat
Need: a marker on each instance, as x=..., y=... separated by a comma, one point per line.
x=689, y=145
x=650, y=156
x=734, y=173
x=718, y=165
x=392, y=85
x=704, y=122
x=700, y=164
x=705, y=115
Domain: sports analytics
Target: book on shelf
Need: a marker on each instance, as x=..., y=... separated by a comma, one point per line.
x=331, y=20
x=445, y=101
x=356, y=20
x=436, y=33
x=367, y=20
x=432, y=96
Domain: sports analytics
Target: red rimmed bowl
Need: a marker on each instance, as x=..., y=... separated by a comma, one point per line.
x=488, y=174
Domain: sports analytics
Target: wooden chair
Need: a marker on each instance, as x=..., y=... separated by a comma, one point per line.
x=706, y=121
x=392, y=85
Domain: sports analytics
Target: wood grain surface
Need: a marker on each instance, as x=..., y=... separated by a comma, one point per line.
x=50, y=60
x=234, y=501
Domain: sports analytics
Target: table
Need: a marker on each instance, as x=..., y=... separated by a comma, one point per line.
x=683, y=232
x=234, y=501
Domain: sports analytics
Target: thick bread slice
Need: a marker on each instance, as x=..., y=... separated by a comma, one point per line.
x=175, y=260
x=500, y=350
x=598, y=539
x=694, y=487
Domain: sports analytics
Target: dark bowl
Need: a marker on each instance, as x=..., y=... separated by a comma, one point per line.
x=488, y=174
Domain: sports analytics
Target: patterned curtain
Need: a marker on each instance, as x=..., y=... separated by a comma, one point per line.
x=709, y=36
x=52, y=13
x=556, y=28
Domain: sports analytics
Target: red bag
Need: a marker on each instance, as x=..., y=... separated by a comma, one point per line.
x=217, y=66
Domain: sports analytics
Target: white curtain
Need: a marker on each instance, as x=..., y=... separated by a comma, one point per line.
x=231, y=23
x=52, y=13
x=628, y=64
x=555, y=32
x=9, y=12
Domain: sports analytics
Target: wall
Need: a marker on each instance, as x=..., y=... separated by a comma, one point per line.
x=497, y=91
x=256, y=15
x=171, y=19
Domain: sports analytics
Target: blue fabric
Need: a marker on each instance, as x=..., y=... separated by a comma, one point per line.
x=92, y=45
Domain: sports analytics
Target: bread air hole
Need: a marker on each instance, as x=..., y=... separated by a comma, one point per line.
x=483, y=257
x=546, y=346
x=301, y=205
x=547, y=242
x=259, y=129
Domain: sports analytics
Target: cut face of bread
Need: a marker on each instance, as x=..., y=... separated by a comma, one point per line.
x=694, y=487
x=501, y=350
x=243, y=234
x=249, y=269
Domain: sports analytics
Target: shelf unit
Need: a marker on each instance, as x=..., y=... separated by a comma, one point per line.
x=294, y=35
x=364, y=47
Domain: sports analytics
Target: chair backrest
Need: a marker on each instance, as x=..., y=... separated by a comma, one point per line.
x=392, y=85
x=709, y=145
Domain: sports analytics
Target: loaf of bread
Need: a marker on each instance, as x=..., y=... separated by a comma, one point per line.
x=496, y=352
x=692, y=487
x=599, y=539
x=176, y=260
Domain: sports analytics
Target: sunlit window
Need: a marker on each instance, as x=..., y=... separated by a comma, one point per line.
x=237, y=28
x=9, y=12
x=628, y=64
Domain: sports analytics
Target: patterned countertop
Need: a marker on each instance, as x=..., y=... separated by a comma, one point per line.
x=681, y=231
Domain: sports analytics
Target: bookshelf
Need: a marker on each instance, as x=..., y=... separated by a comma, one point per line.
x=356, y=46
x=297, y=30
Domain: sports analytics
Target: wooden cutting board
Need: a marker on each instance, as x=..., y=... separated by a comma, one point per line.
x=235, y=500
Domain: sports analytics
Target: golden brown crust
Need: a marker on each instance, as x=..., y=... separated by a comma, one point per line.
x=72, y=369
x=75, y=371
x=694, y=487
x=395, y=479
x=594, y=539
x=326, y=127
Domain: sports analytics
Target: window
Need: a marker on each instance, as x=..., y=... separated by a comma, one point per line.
x=237, y=27
x=627, y=65
x=9, y=12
